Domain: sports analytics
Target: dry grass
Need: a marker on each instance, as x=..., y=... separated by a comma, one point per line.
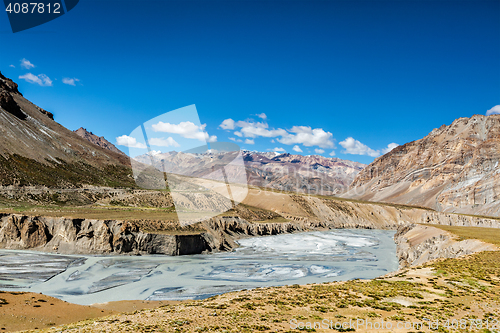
x=93, y=212
x=386, y=204
x=487, y=235
x=480, y=216
x=125, y=212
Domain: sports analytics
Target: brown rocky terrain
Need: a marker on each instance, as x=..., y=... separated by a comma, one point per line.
x=87, y=236
x=453, y=169
x=97, y=140
x=36, y=150
x=312, y=174
x=262, y=213
x=440, y=290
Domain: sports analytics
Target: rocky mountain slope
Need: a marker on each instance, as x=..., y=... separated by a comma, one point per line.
x=36, y=150
x=307, y=174
x=97, y=140
x=454, y=169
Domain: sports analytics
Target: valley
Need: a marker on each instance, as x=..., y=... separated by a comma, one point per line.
x=73, y=196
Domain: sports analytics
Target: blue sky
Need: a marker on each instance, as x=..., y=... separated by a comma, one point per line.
x=350, y=77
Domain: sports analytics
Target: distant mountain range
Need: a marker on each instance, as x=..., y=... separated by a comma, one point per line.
x=307, y=174
x=454, y=169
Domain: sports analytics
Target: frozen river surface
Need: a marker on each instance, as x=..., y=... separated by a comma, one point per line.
x=312, y=257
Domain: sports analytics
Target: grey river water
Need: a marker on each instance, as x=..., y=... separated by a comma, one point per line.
x=301, y=258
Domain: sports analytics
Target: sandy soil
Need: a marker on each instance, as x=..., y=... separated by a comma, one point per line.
x=274, y=201
x=133, y=305
x=28, y=311
x=22, y=311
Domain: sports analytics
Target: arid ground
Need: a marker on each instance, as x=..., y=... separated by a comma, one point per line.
x=460, y=293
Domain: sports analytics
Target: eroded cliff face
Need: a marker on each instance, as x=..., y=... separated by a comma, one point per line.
x=417, y=244
x=85, y=236
x=454, y=169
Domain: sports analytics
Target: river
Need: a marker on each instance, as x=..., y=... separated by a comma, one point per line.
x=300, y=258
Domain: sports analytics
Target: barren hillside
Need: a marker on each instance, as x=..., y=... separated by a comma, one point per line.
x=36, y=150
x=454, y=169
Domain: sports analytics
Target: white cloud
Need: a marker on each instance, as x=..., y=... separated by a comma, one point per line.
x=186, y=129
x=227, y=124
x=153, y=152
x=279, y=149
x=390, y=147
x=235, y=140
x=297, y=135
x=297, y=149
x=253, y=130
x=12, y=66
x=129, y=141
x=42, y=79
x=332, y=153
x=26, y=64
x=249, y=141
x=162, y=142
x=493, y=110
x=70, y=81
x=319, y=151
x=262, y=115
x=308, y=137
x=355, y=147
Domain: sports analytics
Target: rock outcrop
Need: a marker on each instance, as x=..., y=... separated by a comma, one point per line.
x=7, y=102
x=86, y=236
x=97, y=140
x=417, y=244
x=453, y=169
x=223, y=231
x=303, y=213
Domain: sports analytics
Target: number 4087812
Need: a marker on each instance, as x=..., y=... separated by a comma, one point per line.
x=33, y=8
